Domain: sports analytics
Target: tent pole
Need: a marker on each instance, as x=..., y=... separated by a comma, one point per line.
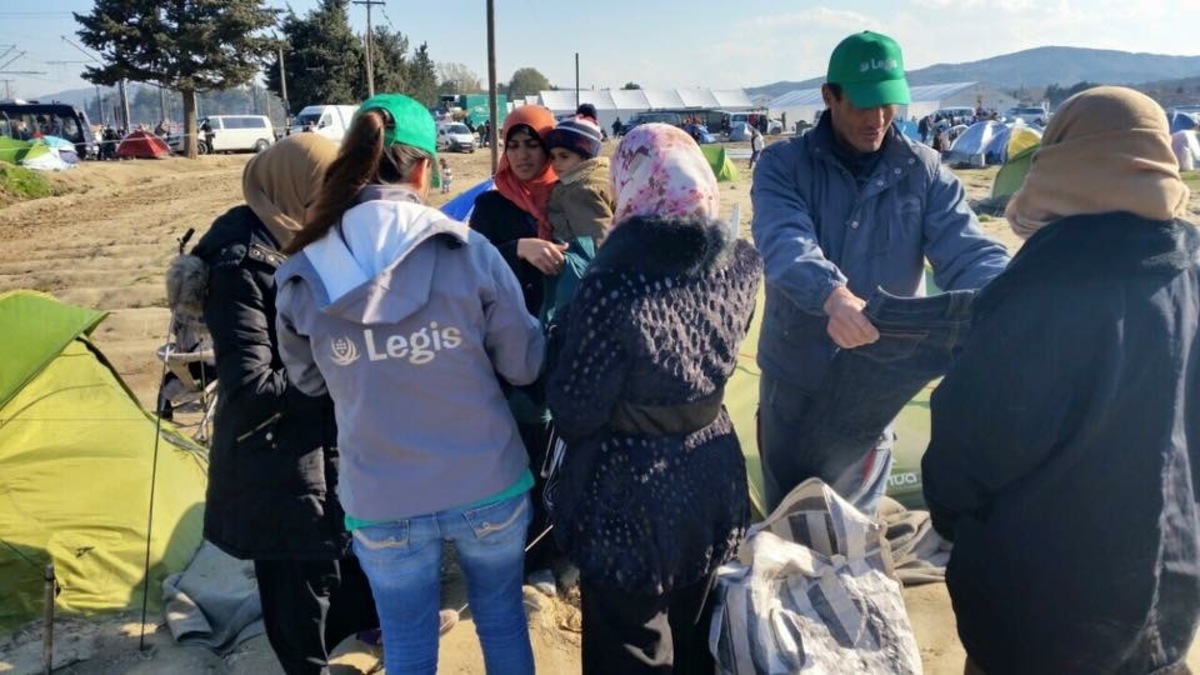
x=48, y=629
x=150, y=510
x=154, y=468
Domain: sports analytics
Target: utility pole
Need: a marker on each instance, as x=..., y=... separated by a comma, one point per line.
x=287, y=109
x=124, y=92
x=162, y=103
x=7, y=91
x=370, y=37
x=491, y=47
x=577, y=80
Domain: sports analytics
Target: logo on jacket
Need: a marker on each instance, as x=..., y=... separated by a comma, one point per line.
x=344, y=351
x=418, y=348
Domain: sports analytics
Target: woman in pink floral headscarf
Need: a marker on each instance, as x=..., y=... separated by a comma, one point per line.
x=652, y=495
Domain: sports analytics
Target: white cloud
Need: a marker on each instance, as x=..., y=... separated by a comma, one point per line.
x=998, y=5
x=817, y=17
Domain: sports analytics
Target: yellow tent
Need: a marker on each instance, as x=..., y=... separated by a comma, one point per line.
x=76, y=456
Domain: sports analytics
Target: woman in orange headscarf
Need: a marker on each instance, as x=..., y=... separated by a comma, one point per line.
x=513, y=218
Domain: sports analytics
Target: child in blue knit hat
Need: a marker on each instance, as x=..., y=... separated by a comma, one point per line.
x=581, y=204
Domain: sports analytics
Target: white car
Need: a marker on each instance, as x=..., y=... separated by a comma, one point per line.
x=774, y=126
x=1028, y=114
x=455, y=137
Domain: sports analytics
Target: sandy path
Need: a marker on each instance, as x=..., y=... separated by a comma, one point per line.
x=107, y=246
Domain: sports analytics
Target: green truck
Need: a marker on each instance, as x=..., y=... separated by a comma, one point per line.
x=476, y=107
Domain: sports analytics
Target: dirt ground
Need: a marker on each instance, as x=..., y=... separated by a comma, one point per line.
x=105, y=242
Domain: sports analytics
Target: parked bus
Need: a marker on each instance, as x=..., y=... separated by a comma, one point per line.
x=25, y=120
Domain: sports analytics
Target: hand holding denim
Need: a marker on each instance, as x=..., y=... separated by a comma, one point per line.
x=829, y=433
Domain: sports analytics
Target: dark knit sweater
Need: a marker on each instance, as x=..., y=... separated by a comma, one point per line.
x=657, y=321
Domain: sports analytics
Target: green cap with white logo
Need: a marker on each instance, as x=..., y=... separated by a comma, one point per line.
x=870, y=70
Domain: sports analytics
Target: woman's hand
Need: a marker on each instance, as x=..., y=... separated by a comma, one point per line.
x=547, y=256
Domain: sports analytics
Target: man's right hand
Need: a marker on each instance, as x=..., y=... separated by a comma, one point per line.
x=848, y=326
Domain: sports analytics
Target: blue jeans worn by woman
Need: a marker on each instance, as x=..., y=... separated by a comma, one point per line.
x=403, y=561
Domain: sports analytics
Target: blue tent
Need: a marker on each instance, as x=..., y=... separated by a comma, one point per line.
x=700, y=133
x=908, y=128
x=971, y=147
x=1182, y=122
x=460, y=207
x=996, y=151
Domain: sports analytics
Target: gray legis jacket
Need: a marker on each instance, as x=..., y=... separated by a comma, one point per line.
x=408, y=319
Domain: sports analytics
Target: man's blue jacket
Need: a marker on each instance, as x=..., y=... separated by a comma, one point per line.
x=818, y=227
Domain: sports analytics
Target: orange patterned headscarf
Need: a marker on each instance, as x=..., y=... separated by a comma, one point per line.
x=531, y=195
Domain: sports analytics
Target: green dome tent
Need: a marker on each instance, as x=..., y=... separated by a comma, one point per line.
x=1021, y=147
x=721, y=166
x=76, y=455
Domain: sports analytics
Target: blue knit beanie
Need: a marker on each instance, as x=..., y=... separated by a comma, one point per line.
x=577, y=134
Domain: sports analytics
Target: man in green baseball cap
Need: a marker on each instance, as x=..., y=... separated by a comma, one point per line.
x=870, y=69
x=863, y=88
x=851, y=207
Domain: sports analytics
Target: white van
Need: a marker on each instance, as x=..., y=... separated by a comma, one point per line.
x=455, y=137
x=230, y=133
x=330, y=121
x=774, y=126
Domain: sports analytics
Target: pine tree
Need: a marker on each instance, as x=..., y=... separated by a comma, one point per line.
x=422, y=77
x=186, y=45
x=389, y=52
x=322, y=58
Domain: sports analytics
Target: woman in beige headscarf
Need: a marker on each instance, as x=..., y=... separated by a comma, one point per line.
x=273, y=461
x=1065, y=451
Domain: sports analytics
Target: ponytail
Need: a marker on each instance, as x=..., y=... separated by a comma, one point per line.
x=355, y=166
x=363, y=160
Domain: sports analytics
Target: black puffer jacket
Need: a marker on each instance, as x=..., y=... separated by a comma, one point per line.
x=273, y=467
x=653, y=493
x=504, y=223
x=1064, y=461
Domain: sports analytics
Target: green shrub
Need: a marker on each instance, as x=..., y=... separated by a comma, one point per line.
x=19, y=184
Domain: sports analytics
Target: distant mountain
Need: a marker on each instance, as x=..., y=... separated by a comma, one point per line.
x=1170, y=93
x=76, y=97
x=1037, y=67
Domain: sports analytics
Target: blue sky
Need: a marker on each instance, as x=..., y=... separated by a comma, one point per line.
x=706, y=43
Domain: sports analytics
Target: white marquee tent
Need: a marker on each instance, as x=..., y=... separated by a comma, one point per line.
x=624, y=103
x=806, y=104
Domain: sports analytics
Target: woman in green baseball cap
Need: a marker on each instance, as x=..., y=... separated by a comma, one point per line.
x=409, y=320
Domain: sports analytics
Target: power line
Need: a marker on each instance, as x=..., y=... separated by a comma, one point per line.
x=370, y=57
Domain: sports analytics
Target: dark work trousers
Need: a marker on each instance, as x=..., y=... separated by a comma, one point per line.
x=830, y=433
x=309, y=606
x=631, y=633
x=535, y=436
